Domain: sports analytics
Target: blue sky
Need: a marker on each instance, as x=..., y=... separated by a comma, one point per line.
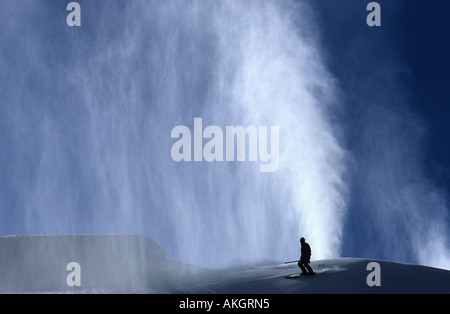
x=404, y=64
x=86, y=116
x=413, y=36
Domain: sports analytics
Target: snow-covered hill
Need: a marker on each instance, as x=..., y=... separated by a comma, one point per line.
x=343, y=275
x=135, y=264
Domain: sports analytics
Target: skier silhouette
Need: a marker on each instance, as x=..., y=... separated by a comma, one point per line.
x=305, y=257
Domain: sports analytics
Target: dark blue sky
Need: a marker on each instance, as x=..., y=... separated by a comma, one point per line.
x=422, y=40
x=414, y=35
x=405, y=66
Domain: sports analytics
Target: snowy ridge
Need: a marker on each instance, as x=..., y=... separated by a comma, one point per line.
x=135, y=264
x=342, y=275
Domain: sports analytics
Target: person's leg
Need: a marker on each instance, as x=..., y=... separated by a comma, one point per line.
x=302, y=268
x=309, y=268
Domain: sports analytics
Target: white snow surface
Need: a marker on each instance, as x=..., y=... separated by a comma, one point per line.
x=342, y=275
x=333, y=276
x=135, y=264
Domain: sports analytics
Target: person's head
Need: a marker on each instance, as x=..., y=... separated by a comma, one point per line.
x=302, y=240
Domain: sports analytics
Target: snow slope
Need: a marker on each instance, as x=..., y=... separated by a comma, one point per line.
x=343, y=275
x=135, y=264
